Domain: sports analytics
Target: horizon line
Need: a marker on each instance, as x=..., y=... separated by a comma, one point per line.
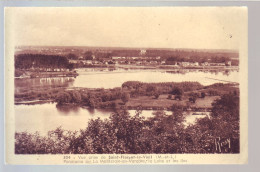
x=83, y=46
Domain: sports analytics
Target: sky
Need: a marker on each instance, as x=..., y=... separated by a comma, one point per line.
x=150, y=27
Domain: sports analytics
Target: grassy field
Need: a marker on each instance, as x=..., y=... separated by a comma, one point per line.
x=164, y=102
x=146, y=101
x=205, y=102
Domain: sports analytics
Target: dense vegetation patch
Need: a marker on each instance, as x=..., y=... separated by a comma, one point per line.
x=27, y=61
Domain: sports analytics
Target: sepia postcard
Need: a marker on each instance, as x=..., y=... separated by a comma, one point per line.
x=126, y=85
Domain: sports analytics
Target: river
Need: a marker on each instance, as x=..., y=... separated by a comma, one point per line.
x=107, y=78
x=46, y=117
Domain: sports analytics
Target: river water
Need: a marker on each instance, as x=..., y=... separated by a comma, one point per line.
x=46, y=117
x=108, y=78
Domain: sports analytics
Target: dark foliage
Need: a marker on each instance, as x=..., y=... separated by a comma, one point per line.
x=27, y=61
x=151, y=89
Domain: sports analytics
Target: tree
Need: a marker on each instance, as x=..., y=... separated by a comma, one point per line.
x=177, y=91
x=125, y=97
x=72, y=56
x=92, y=103
x=227, y=104
x=151, y=90
x=26, y=61
x=203, y=95
x=70, y=66
x=75, y=97
x=88, y=55
x=192, y=99
x=63, y=97
x=225, y=113
x=156, y=95
x=220, y=133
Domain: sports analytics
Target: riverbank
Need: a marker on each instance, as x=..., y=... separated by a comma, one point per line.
x=131, y=66
x=33, y=102
x=21, y=74
x=133, y=105
x=159, y=67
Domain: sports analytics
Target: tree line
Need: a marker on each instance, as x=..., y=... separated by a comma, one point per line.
x=153, y=89
x=27, y=61
x=212, y=59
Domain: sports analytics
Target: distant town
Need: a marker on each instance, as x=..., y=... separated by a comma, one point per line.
x=107, y=57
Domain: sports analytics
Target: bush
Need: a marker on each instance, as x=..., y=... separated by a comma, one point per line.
x=75, y=97
x=177, y=91
x=125, y=97
x=156, y=95
x=63, y=97
x=213, y=92
x=203, y=95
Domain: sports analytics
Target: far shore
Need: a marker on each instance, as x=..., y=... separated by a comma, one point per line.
x=128, y=107
x=32, y=73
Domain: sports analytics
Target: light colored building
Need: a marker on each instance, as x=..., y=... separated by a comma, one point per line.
x=143, y=52
x=163, y=62
x=95, y=62
x=195, y=64
x=185, y=64
x=116, y=58
x=153, y=62
x=228, y=63
x=205, y=64
x=73, y=61
x=87, y=61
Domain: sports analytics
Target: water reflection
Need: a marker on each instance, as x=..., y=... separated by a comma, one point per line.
x=67, y=109
x=91, y=111
x=48, y=116
x=34, y=83
x=226, y=72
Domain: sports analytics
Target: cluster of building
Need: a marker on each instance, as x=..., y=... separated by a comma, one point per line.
x=120, y=60
x=191, y=64
x=142, y=60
